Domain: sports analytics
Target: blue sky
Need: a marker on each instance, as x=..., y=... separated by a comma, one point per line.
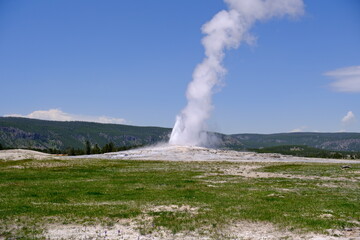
x=131, y=61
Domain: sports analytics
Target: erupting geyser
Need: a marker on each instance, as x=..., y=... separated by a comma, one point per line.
x=227, y=29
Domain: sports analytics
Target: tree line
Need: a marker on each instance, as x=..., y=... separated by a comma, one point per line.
x=306, y=151
x=95, y=149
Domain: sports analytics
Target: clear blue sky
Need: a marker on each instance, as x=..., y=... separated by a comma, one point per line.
x=133, y=60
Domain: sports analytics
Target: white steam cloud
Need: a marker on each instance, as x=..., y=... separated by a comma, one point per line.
x=58, y=115
x=226, y=30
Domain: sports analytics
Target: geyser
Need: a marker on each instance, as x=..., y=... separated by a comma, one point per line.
x=226, y=30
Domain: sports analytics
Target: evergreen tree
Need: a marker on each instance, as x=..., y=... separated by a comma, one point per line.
x=71, y=151
x=79, y=151
x=96, y=149
x=111, y=147
x=87, y=147
x=1, y=147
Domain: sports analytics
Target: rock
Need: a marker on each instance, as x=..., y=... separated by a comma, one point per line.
x=326, y=215
x=345, y=166
x=337, y=233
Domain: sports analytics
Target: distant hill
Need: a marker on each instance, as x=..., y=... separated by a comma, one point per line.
x=328, y=141
x=40, y=134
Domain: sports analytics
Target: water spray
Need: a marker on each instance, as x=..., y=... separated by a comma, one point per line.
x=226, y=30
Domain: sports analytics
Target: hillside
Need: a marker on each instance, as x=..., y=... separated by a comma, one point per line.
x=40, y=134
x=329, y=141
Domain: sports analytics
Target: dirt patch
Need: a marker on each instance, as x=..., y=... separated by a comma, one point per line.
x=174, y=208
x=252, y=171
x=256, y=230
x=123, y=229
x=128, y=229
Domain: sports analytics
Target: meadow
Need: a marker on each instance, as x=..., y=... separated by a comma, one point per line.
x=176, y=197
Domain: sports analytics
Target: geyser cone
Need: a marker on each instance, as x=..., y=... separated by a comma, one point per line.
x=188, y=134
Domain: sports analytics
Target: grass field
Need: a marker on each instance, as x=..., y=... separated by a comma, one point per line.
x=202, y=197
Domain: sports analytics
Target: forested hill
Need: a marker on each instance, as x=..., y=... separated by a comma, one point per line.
x=40, y=134
x=329, y=141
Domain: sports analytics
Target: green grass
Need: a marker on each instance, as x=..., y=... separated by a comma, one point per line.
x=330, y=170
x=33, y=193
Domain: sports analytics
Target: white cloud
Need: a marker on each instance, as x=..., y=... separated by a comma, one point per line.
x=58, y=115
x=348, y=118
x=300, y=129
x=346, y=79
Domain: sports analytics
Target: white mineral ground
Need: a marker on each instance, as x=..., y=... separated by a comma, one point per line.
x=20, y=154
x=167, y=152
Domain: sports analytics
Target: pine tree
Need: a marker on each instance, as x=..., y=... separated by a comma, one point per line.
x=95, y=150
x=87, y=147
x=71, y=151
x=111, y=147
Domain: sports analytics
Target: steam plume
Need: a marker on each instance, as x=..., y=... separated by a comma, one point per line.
x=226, y=30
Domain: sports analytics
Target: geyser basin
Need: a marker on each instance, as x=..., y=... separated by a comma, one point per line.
x=185, y=153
